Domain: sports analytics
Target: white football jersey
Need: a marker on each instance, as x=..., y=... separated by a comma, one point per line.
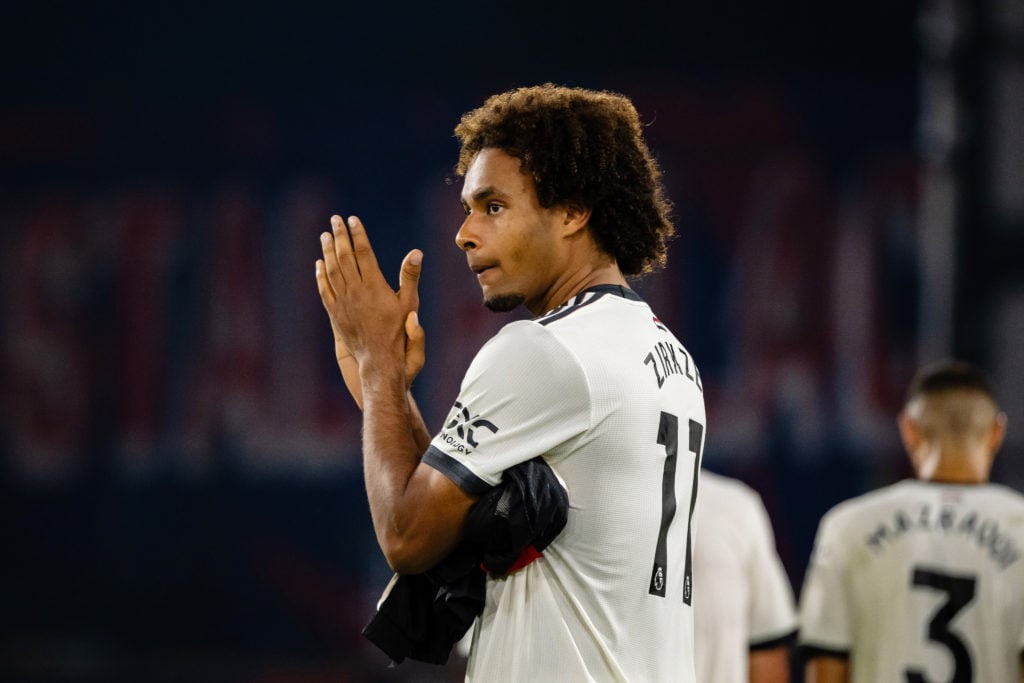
x=613, y=402
x=920, y=581
x=745, y=600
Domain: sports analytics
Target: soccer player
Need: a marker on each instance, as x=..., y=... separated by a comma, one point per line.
x=563, y=202
x=744, y=610
x=923, y=581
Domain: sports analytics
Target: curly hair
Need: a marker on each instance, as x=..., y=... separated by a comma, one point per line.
x=581, y=146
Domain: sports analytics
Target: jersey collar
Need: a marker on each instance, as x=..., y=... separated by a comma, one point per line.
x=617, y=290
x=588, y=295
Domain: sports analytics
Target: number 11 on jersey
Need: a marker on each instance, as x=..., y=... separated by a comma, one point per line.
x=668, y=436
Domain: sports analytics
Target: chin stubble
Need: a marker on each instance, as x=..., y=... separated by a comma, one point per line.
x=504, y=302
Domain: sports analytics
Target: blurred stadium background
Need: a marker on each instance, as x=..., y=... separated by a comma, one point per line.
x=181, y=485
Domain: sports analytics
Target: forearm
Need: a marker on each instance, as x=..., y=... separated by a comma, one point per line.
x=390, y=450
x=769, y=665
x=417, y=512
x=350, y=373
x=827, y=670
x=421, y=434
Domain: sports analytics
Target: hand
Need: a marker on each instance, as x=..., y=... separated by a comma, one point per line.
x=414, y=356
x=361, y=306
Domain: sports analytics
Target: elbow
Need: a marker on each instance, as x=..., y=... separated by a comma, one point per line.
x=406, y=566
x=406, y=556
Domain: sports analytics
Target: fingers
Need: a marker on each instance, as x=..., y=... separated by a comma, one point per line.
x=327, y=296
x=338, y=255
x=329, y=268
x=409, y=279
x=363, y=258
x=348, y=256
x=349, y=281
x=415, y=344
x=323, y=285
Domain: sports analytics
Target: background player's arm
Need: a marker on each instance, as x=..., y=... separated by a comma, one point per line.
x=769, y=665
x=825, y=669
x=772, y=607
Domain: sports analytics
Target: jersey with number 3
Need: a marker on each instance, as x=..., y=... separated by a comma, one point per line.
x=613, y=402
x=920, y=582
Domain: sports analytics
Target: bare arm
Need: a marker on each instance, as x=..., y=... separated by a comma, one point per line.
x=420, y=431
x=827, y=670
x=769, y=665
x=417, y=512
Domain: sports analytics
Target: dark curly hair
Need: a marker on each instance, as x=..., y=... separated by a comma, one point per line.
x=581, y=146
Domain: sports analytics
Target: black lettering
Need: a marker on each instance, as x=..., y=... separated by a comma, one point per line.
x=665, y=362
x=1000, y=547
x=671, y=353
x=987, y=534
x=1007, y=556
x=947, y=518
x=666, y=365
x=478, y=424
x=876, y=539
x=649, y=360
x=686, y=359
x=924, y=518
x=959, y=591
x=968, y=523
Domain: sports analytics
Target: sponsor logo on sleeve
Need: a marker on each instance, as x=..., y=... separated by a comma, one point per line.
x=462, y=429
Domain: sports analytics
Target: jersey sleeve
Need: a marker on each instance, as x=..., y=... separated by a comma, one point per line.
x=523, y=395
x=825, y=611
x=772, y=606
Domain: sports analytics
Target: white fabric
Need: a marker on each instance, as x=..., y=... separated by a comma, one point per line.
x=860, y=594
x=580, y=386
x=743, y=598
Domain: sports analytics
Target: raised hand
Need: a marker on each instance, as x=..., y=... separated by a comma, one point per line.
x=364, y=311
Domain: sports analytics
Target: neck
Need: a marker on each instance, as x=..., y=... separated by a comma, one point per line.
x=605, y=273
x=935, y=464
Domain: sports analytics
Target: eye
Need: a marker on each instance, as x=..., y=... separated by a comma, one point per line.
x=493, y=208
x=466, y=209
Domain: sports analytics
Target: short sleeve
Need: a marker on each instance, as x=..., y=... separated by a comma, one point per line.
x=772, y=606
x=824, y=601
x=523, y=395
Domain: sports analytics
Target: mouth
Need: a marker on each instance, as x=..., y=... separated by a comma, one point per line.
x=479, y=269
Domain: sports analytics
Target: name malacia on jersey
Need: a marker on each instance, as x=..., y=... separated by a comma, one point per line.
x=946, y=520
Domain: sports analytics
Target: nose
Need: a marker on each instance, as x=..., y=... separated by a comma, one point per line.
x=464, y=238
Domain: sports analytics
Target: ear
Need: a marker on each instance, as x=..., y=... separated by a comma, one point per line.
x=576, y=218
x=910, y=434
x=996, y=433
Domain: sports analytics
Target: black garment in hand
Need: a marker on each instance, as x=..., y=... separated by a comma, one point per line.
x=422, y=616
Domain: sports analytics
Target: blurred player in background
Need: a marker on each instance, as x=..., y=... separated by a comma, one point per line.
x=563, y=202
x=922, y=581
x=744, y=611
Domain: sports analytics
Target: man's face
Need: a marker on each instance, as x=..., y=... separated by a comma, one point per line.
x=511, y=242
